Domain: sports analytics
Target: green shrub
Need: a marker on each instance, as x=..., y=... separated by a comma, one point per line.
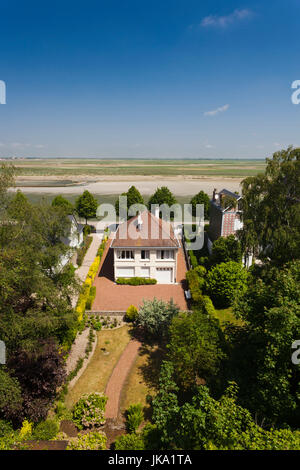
x=90, y=441
x=195, y=279
x=81, y=252
x=224, y=281
x=134, y=417
x=62, y=411
x=135, y=281
x=5, y=428
x=87, y=230
x=155, y=317
x=193, y=258
x=131, y=314
x=89, y=410
x=129, y=442
x=46, y=430
x=91, y=298
x=208, y=306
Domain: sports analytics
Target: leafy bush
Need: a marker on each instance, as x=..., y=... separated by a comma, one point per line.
x=155, y=316
x=134, y=417
x=135, y=281
x=89, y=410
x=193, y=258
x=196, y=282
x=46, y=430
x=201, y=198
x=26, y=430
x=91, y=298
x=131, y=314
x=226, y=249
x=81, y=252
x=39, y=373
x=129, y=442
x=5, y=428
x=224, y=281
x=90, y=441
x=87, y=229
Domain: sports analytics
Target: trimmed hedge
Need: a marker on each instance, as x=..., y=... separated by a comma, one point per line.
x=135, y=281
x=91, y=298
x=88, y=293
x=83, y=249
x=193, y=259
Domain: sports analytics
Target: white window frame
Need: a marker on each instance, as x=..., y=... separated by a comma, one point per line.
x=128, y=255
x=147, y=255
x=165, y=255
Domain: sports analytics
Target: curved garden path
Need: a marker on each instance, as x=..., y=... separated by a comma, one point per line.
x=117, y=379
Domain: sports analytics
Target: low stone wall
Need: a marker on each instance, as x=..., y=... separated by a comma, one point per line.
x=107, y=313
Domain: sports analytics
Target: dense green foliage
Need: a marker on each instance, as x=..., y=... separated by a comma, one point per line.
x=195, y=348
x=262, y=349
x=224, y=281
x=155, y=317
x=162, y=196
x=60, y=201
x=81, y=252
x=226, y=249
x=135, y=281
x=204, y=423
x=88, y=411
x=134, y=417
x=86, y=206
x=46, y=430
x=36, y=314
x=91, y=441
x=129, y=442
x=134, y=197
x=131, y=313
x=271, y=209
x=201, y=198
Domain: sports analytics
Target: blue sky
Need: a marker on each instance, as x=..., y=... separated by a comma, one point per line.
x=140, y=78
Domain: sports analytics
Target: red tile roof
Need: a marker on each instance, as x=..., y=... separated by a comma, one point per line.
x=153, y=232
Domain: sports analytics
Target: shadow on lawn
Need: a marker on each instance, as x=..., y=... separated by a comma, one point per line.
x=155, y=353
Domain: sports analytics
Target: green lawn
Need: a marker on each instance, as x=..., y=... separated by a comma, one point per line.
x=226, y=315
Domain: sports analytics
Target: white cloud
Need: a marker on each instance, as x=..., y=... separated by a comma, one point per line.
x=214, y=112
x=226, y=20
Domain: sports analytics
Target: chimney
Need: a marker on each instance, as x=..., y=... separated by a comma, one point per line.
x=214, y=194
x=156, y=213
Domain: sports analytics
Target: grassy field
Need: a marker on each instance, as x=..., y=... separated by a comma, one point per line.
x=110, y=346
x=97, y=167
x=102, y=199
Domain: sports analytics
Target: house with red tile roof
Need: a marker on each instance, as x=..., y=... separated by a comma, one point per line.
x=146, y=246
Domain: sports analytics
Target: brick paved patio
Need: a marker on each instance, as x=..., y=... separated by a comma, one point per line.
x=110, y=297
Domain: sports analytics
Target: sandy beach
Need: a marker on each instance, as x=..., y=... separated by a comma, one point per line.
x=180, y=186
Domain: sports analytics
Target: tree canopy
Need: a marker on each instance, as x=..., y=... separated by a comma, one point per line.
x=271, y=209
x=133, y=197
x=201, y=198
x=60, y=201
x=86, y=206
x=162, y=196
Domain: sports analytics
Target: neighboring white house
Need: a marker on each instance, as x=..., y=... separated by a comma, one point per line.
x=146, y=246
x=73, y=240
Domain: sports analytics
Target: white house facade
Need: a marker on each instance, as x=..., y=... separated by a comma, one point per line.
x=146, y=246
